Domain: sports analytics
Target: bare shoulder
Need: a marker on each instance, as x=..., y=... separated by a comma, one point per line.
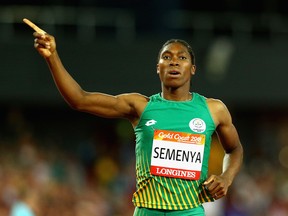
x=140, y=101
x=218, y=110
x=215, y=104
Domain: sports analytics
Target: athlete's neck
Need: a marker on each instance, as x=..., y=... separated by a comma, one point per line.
x=176, y=97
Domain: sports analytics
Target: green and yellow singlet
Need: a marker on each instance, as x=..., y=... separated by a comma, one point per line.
x=172, y=151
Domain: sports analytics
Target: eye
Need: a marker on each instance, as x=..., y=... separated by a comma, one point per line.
x=183, y=57
x=166, y=57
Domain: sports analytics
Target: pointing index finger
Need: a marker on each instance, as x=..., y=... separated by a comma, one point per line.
x=33, y=26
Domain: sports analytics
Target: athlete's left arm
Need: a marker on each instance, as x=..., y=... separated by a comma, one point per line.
x=229, y=138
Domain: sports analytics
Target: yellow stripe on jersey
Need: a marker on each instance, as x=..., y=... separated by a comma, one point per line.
x=184, y=200
x=152, y=198
x=186, y=194
x=170, y=195
x=174, y=191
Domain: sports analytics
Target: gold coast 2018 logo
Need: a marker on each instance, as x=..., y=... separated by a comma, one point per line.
x=197, y=125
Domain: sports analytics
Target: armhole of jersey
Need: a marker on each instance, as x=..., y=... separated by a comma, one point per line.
x=140, y=119
x=207, y=107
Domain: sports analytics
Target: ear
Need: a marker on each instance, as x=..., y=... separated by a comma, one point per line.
x=193, y=70
x=157, y=68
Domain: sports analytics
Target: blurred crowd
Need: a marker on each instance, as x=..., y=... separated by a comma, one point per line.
x=64, y=178
x=67, y=165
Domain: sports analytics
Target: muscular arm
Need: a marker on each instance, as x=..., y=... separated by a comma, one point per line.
x=228, y=136
x=127, y=106
x=96, y=103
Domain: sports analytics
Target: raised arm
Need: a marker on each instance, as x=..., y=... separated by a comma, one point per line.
x=121, y=106
x=228, y=136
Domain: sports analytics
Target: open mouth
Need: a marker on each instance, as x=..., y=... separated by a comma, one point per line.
x=174, y=73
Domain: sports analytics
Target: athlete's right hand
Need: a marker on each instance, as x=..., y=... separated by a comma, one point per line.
x=44, y=43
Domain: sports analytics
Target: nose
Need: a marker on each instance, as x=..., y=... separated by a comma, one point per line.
x=174, y=61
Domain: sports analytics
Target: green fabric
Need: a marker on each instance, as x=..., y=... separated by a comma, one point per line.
x=199, y=211
x=167, y=193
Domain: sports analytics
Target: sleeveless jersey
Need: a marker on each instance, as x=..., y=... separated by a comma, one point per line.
x=172, y=151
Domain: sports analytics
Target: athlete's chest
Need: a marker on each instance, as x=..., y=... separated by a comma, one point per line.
x=183, y=119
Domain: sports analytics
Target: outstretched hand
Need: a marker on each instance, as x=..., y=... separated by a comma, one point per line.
x=44, y=43
x=217, y=186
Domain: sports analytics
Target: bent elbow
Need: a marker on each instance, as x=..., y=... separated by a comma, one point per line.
x=75, y=105
x=77, y=102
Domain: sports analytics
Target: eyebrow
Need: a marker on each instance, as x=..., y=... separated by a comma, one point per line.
x=180, y=52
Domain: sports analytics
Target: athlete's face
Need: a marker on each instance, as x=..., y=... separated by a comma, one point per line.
x=175, y=68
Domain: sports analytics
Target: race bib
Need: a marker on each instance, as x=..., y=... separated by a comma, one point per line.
x=177, y=154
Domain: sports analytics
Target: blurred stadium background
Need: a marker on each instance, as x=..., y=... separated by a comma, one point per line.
x=62, y=162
